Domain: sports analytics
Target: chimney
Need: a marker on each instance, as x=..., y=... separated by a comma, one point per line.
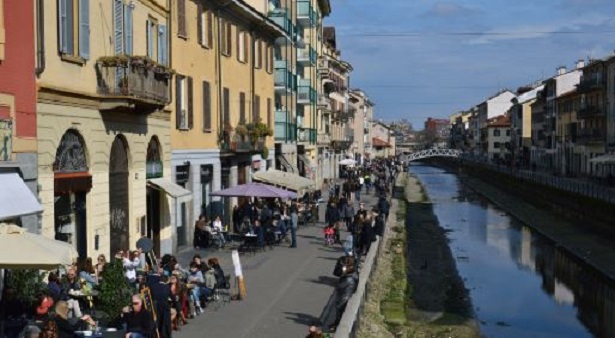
x=580, y=63
x=561, y=70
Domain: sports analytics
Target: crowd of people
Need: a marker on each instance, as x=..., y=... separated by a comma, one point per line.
x=67, y=304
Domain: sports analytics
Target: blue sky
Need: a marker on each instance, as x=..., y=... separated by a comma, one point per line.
x=436, y=73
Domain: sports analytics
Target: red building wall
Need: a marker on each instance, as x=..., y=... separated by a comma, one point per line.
x=17, y=69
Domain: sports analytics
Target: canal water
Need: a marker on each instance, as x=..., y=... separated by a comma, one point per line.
x=520, y=284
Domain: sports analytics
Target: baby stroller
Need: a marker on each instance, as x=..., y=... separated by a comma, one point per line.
x=329, y=235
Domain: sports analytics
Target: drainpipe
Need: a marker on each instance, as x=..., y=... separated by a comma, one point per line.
x=219, y=67
x=40, y=38
x=252, y=74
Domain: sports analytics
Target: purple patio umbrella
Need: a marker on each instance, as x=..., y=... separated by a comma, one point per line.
x=254, y=190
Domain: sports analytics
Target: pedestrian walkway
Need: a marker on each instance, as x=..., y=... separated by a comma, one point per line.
x=287, y=288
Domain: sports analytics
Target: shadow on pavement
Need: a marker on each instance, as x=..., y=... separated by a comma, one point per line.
x=326, y=280
x=303, y=319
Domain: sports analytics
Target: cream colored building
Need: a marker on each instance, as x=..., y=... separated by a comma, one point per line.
x=103, y=125
x=361, y=124
x=224, y=89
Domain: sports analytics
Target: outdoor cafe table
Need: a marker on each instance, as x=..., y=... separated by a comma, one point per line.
x=250, y=242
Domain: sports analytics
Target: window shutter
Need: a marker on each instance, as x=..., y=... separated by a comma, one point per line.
x=269, y=112
x=210, y=29
x=206, y=106
x=178, y=101
x=84, y=29
x=162, y=45
x=128, y=27
x=229, y=38
x=62, y=26
x=239, y=45
x=257, y=109
x=227, y=108
x=199, y=17
x=118, y=26
x=149, y=37
x=190, y=112
x=242, y=108
x=246, y=46
x=181, y=18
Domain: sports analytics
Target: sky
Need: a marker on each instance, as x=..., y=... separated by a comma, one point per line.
x=431, y=58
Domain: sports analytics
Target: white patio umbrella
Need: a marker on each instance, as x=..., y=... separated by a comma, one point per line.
x=20, y=249
x=348, y=161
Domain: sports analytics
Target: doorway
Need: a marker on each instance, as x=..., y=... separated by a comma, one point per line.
x=118, y=197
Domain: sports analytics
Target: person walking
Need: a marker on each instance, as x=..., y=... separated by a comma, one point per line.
x=294, y=220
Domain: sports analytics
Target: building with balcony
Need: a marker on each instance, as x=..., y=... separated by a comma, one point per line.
x=498, y=140
x=222, y=117
x=18, y=147
x=103, y=124
x=360, y=124
x=383, y=141
x=335, y=116
x=521, y=124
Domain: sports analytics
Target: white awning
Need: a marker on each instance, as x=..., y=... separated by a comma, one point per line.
x=172, y=189
x=16, y=199
x=284, y=179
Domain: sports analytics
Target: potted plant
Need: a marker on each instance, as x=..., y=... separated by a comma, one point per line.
x=241, y=130
x=265, y=152
x=114, y=293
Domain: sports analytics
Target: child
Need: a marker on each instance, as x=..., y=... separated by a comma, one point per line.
x=329, y=235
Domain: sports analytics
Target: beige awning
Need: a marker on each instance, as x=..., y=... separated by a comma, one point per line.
x=284, y=179
x=172, y=189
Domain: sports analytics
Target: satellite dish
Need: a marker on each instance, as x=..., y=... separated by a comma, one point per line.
x=145, y=244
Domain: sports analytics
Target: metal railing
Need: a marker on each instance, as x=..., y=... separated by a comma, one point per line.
x=134, y=81
x=597, y=188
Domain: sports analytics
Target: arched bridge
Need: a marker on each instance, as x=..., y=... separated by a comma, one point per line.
x=436, y=152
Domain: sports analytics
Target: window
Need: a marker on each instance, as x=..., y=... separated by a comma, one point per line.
x=183, y=102
x=242, y=108
x=269, y=59
x=507, y=132
x=226, y=37
x=206, y=106
x=162, y=45
x=256, y=111
x=74, y=22
x=226, y=118
x=205, y=26
x=496, y=132
x=496, y=145
x=258, y=54
x=151, y=37
x=242, y=46
x=181, y=19
x=123, y=27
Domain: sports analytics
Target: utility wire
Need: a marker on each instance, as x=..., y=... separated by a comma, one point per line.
x=430, y=34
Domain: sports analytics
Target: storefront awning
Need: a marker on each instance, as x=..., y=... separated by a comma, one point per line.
x=16, y=199
x=172, y=189
x=286, y=164
x=284, y=179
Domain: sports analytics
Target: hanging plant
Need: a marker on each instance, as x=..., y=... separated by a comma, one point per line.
x=265, y=153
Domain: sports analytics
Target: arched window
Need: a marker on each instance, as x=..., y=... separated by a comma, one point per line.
x=154, y=159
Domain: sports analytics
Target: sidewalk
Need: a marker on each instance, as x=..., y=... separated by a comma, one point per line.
x=287, y=289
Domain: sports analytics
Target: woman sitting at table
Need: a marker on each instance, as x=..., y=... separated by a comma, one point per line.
x=218, y=230
x=87, y=271
x=100, y=266
x=65, y=328
x=221, y=282
x=178, y=299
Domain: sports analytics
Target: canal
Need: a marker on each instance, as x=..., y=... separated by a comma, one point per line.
x=520, y=284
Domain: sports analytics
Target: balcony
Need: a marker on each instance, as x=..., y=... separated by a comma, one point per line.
x=284, y=79
x=306, y=15
x=285, y=132
x=235, y=143
x=589, y=112
x=591, y=135
x=281, y=17
x=307, y=56
x=323, y=139
x=306, y=95
x=591, y=82
x=306, y=135
x=340, y=145
x=323, y=68
x=323, y=100
x=132, y=82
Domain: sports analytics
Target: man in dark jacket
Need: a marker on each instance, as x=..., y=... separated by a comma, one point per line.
x=346, y=286
x=139, y=321
x=332, y=214
x=384, y=206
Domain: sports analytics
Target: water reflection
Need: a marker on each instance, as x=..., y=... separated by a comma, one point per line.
x=520, y=283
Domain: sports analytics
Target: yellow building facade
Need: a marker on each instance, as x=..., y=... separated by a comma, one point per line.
x=103, y=125
x=223, y=103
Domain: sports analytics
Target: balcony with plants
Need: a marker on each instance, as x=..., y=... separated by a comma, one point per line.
x=134, y=82
x=245, y=138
